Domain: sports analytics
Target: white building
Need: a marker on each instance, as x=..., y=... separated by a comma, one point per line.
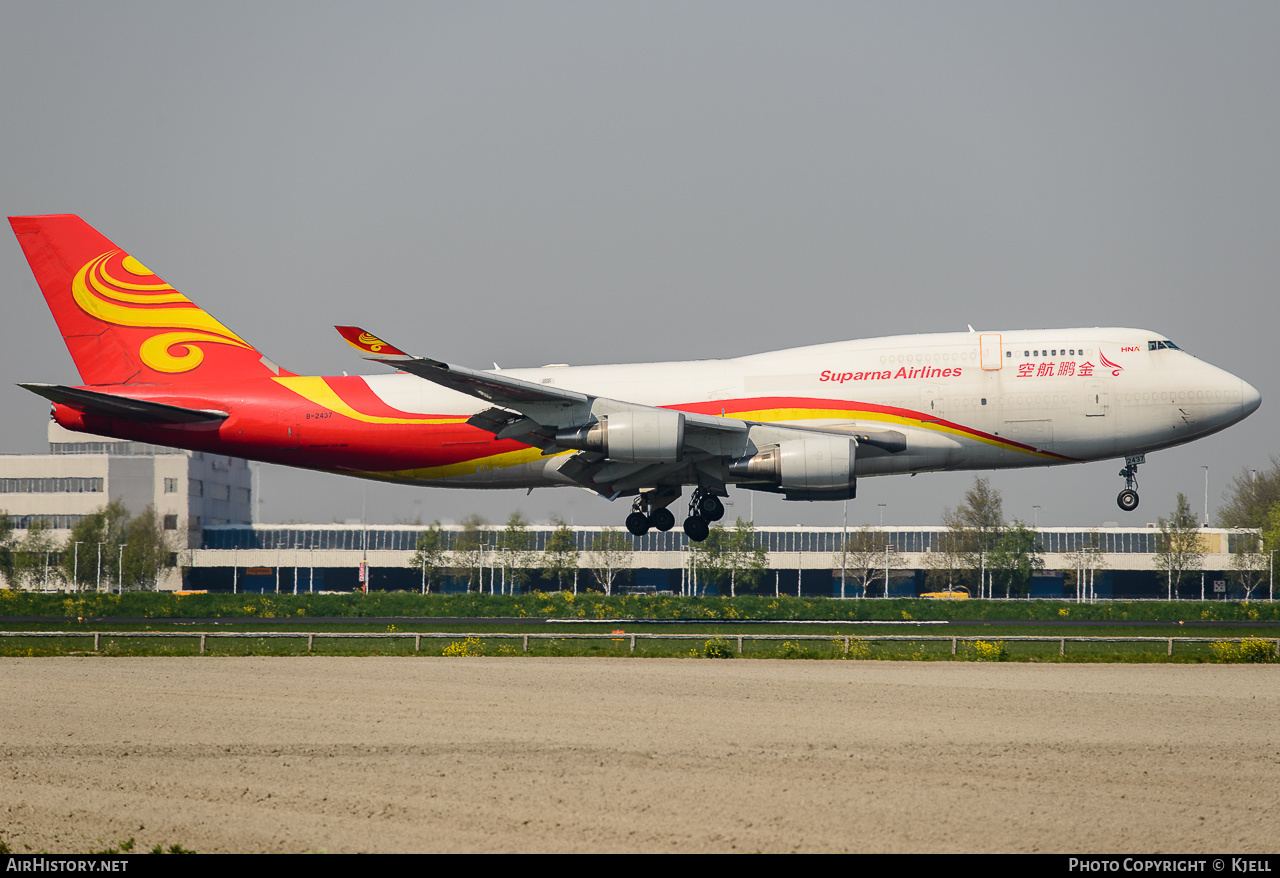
x=82, y=473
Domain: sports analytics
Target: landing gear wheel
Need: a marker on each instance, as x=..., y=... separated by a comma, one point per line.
x=662, y=519
x=1128, y=498
x=638, y=523
x=696, y=528
x=706, y=505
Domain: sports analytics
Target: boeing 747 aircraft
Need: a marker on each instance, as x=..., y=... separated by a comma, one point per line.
x=805, y=423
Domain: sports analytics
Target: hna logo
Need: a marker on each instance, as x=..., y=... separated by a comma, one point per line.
x=1130, y=348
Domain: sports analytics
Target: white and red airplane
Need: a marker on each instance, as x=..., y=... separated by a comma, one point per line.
x=805, y=422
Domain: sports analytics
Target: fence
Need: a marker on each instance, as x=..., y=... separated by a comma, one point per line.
x=846, y=640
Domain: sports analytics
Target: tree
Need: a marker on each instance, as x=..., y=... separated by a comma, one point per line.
x=973, y=531
x=31, y=558
x=949, y=561
x=1249, y=564
x=1090, y=559
x=981, y=515
x=1015, y=558
x=1179, y=547
x=147, y=551
x=99, y=536
x=1250, y=497
x=429, y=553
x=6, y=550
x=561, y=555
x=610, y=552
x=468, y=550
x=729, y=555
x=864, y=557
x=516, y=544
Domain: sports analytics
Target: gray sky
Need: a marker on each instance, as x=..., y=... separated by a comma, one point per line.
x=616, y=182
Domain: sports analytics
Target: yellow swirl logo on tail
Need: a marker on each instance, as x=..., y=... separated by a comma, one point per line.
x=138, y=303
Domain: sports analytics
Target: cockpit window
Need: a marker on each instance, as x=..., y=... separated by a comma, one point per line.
x=1162, y=345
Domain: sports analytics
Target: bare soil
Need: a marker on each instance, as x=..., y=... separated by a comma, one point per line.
x=601, y=754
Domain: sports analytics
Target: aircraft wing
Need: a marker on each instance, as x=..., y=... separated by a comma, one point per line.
x=623, y=446
x=509, y=392
x=489, y=386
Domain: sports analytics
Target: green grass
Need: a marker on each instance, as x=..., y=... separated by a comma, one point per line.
x=670, y=642
x=707, y=618
x=593, y=605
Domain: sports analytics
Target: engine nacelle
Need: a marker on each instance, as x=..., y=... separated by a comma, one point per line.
x=643, y=435
x=813, y=468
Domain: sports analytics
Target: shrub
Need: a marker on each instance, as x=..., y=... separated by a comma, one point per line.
x=794, y=649
x=990, y=652
x=469, y=647
x=718, y=648
x=1252, y=649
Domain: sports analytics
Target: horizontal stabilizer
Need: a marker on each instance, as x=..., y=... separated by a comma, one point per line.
x=111, y=406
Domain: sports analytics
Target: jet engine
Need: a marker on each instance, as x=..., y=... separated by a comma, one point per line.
x=812, y=468
x=643, y=435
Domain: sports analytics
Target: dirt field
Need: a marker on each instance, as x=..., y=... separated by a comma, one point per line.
x=521, y=754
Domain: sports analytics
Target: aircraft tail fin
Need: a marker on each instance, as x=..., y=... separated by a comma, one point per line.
x=120, y=321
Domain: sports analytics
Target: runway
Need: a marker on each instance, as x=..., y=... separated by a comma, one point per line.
x=601, y=754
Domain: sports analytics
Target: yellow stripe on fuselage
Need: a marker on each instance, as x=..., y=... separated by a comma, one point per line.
x=797, y=414
x=316, y=390
x=466, y=467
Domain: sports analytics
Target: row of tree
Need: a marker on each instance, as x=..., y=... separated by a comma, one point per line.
x=479, y=546
x=728, y=558
x=979, y=551
x=108, y=547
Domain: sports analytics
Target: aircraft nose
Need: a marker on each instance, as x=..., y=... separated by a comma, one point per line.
x=1250, y=399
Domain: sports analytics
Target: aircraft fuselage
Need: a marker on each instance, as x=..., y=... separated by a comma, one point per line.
x=1037, y=398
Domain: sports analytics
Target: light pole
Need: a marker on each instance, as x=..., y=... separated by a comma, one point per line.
x=75, y=567
x=98, y=587
x=1206, y=495
x=1271, y=589
x=120, y=571
x=844, y=547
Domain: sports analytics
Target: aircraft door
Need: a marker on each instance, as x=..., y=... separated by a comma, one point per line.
x=991, y=349
x=931, y=402
x=287, y=428
x=1095, y=399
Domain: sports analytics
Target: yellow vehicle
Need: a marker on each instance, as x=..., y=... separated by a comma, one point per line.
x=958, y=593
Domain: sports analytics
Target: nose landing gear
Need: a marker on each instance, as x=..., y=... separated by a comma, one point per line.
x=1128, y=498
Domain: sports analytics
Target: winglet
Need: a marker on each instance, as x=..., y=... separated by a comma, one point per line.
x=370, y=346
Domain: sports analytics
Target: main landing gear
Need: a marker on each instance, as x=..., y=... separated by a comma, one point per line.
x=704, y=508
x=639, y=521
x=1128, y=498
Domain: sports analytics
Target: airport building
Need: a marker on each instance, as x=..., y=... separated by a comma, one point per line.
x=1108, y=562
x=207, y=503
x=80, y=474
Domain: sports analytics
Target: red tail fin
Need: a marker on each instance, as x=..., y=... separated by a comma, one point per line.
x=122, y=323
